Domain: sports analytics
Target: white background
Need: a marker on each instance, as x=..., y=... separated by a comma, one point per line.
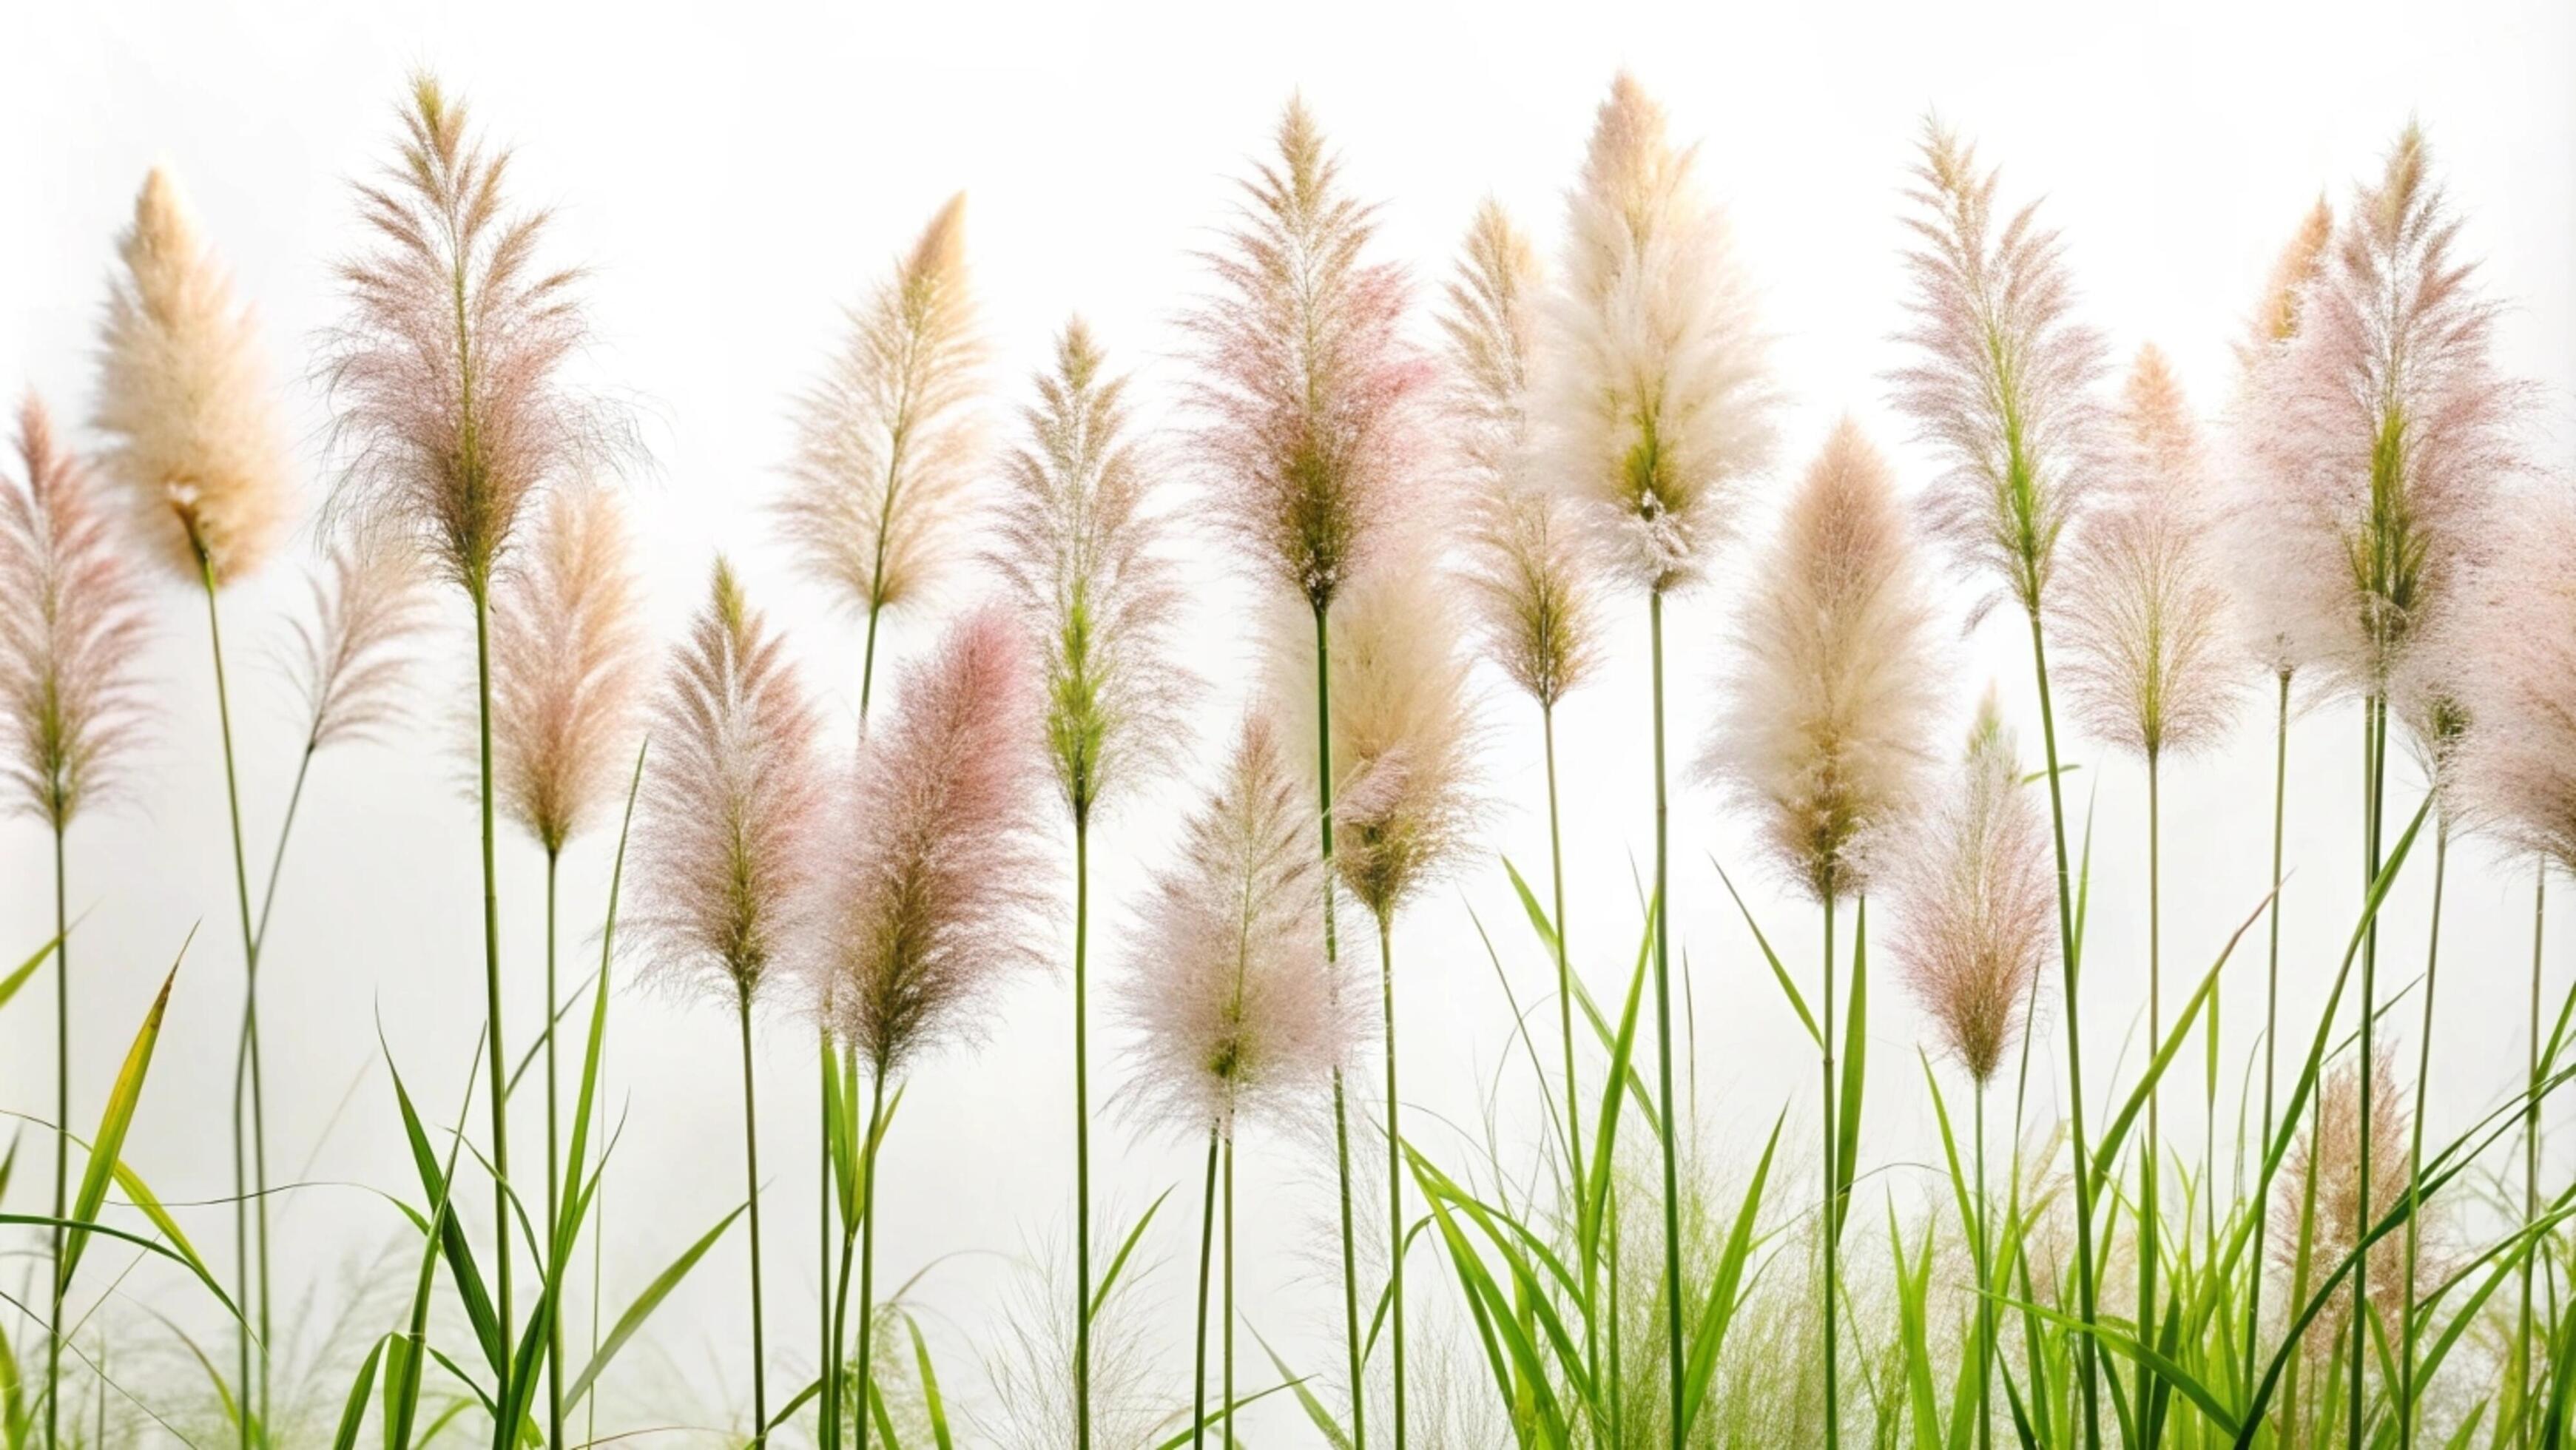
x=735, y=173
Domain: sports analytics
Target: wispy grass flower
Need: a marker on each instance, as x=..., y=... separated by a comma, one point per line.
x=889, y=438
x=1311, y=407
x=1081, y=551
x=350, y=663
x=927, y=904
x=731, y=828
x=454, y=406
x=1660, y=410
x=72, y=709
x=2002, y=388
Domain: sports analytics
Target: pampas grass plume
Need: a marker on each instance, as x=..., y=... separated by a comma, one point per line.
x=568, y=664
x=350, y=662
x=1832, y=686
x=195, y=435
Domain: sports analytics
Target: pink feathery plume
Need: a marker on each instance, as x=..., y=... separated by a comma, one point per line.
x=2383, y=437
x=728, y=834
x=1308, y=393
x=1832, y=684
x=2331, y=1149
x=568, y=663
x=2002, y=388
x=71, y=637
x=2268, y=612
x=449, y=376
x=1974, y=903
x=185, y=400
x=2149, y=666
x=2514, y=644
x=928, y=903
x=351, y=661
x=1533, y=590
x=1233, y=1006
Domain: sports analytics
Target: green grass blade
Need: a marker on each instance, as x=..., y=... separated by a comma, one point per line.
x=1779, y=973
x=1109, y=1280
x=1321, y=1418
x=353, y=1415
x=645, y=1303
x=122, y=1099
x=10, y=984
x=1855, y=1073
x=1725, y=1287
x=929, y=1386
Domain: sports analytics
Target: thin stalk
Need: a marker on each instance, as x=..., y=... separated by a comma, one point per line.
x=63, y=1136
x=2066, y=949
x=1207, y=1250
x=251, y=1199
x=2378, y=706
x=2531, y=1154
x=867, y=1259
x=2150, y=1170
x=751, y=1179
x=2415, y=1145
x=1394, y=1173
x=1081, y=1131
x=1565, y=1027
x=1664, y=1038
x=1618, y=1379
x=827, y=1414
x=1831, y=1218
x=1985, y=1288
x=2271, y=1004
x=1341, y=1110
x=554, y=1169
x=1229, y=1295
x=495, y=1050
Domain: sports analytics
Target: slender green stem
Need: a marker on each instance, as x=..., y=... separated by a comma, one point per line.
x=1341, y=1109
x=1229, y=1294
x=1985, y=1288
x=2271, y=1007
x=2150, y=1169
x=1081, y=1131
x=1207, y=1251
x=1830, y=1219
x=554, y=1168
x=1664, y=1038
x=751, y=1179
x=2067, y=959
x=1394, y=1171
x=2415, y=1145
x=495, y=1049
x=2378, y=707
x=2530, y=1157
x=1565, y=1027
x=1618, y=1378
x=63, y=1135
x=868, y=1258
x=252, y=1201
x=827, y=1415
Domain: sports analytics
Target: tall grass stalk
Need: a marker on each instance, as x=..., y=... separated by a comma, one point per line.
x=1332, y=963
x=751, y=1187
x=1394, y=1177
x=554, y=1165
x=62, y=1137
x=2271, y=1005
x=2377, y=705
x=2150, y=1214
x=1831, y=1212
x=1664, y=1037
x=2530, y=1157
x=2406, y=1388
x=1207, y=1251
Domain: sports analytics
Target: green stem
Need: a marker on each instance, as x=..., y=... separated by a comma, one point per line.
x=2150, y=1223
x=827, y=1414
x=1831, y=1218
x=1341, y=1109
x=1081, y=1131
x=495, y=1050
x=1664, y=1039
x=2067, y=959
x=1565, y=1027
x=1229, y=1294
x=63, y=1135
x=868, y=1257
x=2530, y=1157
x=2369, y=1010
x=554, y=1167
x=1985, y=1288
x=1207, y=1250
x=2271, y=1006
x=1618, y=1377
x=1394, y=1169
x=2415, y=1145
x=751, y=1178
x=252, y=1201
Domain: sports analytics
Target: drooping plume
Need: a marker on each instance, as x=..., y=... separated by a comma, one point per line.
x=350, y=661
x=929, y=903
x=69, y=639
x=1083, y=555
x=1832, y=686
x=449, y=377
x=1310, y=399
x=1402, y=725
x=1974, y=905
x=2149, y=665
x=1532, y=589
x=193, y=427
x=1657, y=395
x=2267, y=608
x=2002, y=388
x=1233, y=1006
x=568, y=665
x=889, y=438
x=730, y=829
x=2515, y=768
x=2382, y=435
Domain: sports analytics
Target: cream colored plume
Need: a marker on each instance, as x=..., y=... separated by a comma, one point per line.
x=568, y=665
x=194, y=431
x=1833, y=684
x=1656, y=389
x=2267, y=609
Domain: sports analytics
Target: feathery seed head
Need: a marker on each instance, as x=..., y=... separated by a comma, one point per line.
x=2331, y=1149
x=449, y=376
x=568, y=664
x=1533, y=591
x=70, y=638
x=2513, y=649
x=193, y=426
x=1833, y=687
x=1975, y=904
x=729, y=829
x=2149, y=665
x=1308, y=394
x=350, y=662
x=928, y=903
x=2002, y=386
x=2276, y=318
x=888, y=440
x=1658, y=397
x=1081, y=553
x=1233, y=1006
